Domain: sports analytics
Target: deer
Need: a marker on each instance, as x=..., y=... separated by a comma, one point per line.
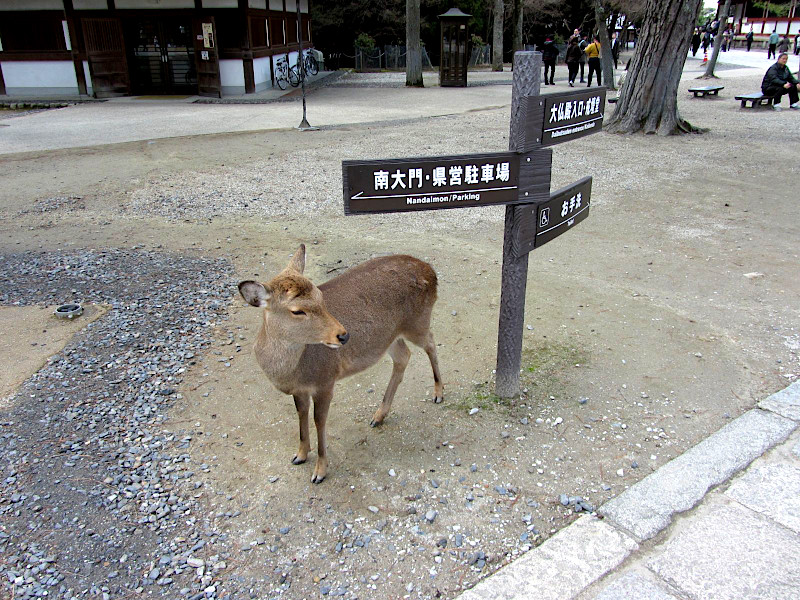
x=311, y=337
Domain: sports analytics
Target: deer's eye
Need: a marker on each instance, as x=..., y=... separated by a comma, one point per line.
x=298, y=312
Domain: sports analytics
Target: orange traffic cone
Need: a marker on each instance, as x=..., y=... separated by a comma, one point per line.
x=705, y=55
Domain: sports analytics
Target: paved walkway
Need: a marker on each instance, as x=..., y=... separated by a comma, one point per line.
x=721, y=521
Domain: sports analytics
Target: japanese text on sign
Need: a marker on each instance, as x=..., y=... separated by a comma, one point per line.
x=454, y=175
x=564, y=111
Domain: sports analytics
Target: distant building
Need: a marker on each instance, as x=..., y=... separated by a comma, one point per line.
x=109, y=48
x=747, y=16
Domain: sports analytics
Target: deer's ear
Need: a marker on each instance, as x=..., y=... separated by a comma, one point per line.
x=298, y=262
x=254, y=293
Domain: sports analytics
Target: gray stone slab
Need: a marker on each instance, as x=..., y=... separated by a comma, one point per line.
x=635, y=586
x=786, y=402
x=648, y=506
x=561, y=567
x=731, y=553
x=796, y=450
x=773, y=490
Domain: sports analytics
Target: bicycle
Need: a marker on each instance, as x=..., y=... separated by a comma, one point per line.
x=310, y=63
x=284, y=73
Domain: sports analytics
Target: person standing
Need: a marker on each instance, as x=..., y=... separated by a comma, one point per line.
x=773, y=44
x=593, y=58
x=582, y=45
x=696, y=37
x=797, y=44
x=573, y=59
x=783, y=45
x=749, y=39
x=615, y=49
x=549, y=58
x=706, y=40
x=778, y=81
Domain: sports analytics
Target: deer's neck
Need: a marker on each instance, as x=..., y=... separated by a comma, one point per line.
x=277, y=357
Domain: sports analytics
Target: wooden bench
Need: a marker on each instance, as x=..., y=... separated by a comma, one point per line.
x=756, y=99
x=709, y=90
x=611, y=100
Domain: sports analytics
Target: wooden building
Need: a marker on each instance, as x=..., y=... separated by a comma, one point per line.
x=107, y=48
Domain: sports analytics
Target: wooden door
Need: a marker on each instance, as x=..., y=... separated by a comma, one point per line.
x=206, y=57
x=105, y=51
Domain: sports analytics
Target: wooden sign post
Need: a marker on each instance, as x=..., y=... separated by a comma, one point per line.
x=519, y=178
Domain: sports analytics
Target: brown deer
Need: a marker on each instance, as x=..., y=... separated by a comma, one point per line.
x=311, y=336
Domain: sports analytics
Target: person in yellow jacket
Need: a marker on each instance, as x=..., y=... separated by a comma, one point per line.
x=593, y=54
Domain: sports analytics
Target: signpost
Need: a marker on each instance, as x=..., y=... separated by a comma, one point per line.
x=520, y=179
x=395, y=185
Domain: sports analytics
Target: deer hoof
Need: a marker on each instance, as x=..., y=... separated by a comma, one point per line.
x=298, y=461
x=317, y=479
x=438, y=400
x=375, y=423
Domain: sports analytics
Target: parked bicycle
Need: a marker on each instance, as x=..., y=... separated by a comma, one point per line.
x=285, y=74
x=292, y=75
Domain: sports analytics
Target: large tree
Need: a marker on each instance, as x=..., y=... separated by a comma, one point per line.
x=648, y=101
x=413, y=49
x=606, y=60
x=709, y=74
x=497, y=36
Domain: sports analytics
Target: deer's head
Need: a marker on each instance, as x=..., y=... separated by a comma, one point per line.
x=294, y=306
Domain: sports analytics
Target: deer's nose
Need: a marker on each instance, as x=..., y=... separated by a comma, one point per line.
x=343, y=337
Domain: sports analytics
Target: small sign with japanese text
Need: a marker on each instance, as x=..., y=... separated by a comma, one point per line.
x=545, y=221
x=555, y=118
x=396, y=185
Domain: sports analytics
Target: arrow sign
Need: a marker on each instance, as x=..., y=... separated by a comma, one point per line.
x=397, y=185
x=540, y=223
x=555, y=118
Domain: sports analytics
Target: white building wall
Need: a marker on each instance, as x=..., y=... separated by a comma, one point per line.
x=231, y=76
x=154, y=4
x=262, y=4
x=40, y=78
x=262, y=71
x=220, y=3
x=90, y=4
x=31, y=5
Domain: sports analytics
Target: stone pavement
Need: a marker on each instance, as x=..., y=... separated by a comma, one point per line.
x=721, y=521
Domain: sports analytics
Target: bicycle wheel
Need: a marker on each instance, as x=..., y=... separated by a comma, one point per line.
x=280, y=79
x=311, y=65
x=294, y=76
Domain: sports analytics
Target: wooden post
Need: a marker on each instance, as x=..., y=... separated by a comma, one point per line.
x=527, y=81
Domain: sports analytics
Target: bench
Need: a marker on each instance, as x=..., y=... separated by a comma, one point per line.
x=756, y=99
x=709, y=90
x=612, y=100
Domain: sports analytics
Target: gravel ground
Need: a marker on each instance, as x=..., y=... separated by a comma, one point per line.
x=88, y=454
x=132, y=464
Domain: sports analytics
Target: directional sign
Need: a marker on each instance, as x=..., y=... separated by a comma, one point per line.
x=545, y=221
x=395, y=185
x=555, y=118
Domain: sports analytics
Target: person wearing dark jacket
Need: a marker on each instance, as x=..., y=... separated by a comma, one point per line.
x=749, y=39
x=696, y=37
x=574, y=54
x=779, y=81
x=549, y=58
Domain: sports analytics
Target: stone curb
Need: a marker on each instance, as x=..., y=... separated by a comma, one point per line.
x=649, y=506
x=587, y=550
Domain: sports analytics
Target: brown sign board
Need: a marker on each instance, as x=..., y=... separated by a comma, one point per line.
x=555, y=118
x=432, y=183
x=539, y=223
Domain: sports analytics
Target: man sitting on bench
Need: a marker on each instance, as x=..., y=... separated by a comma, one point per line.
x=779, y=81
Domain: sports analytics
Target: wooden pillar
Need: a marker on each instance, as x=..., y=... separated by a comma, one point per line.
x=526, y=82
x=76, y=41
x=247, y=52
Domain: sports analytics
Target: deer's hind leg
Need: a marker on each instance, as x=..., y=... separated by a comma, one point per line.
x=400, y=355
x=426, y=342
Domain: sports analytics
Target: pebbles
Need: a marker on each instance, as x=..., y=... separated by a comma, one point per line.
x=87, y=433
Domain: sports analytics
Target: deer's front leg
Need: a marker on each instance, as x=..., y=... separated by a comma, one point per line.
x=322, y=402
x=301, y=403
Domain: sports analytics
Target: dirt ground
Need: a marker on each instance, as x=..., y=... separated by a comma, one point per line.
x=670, y=310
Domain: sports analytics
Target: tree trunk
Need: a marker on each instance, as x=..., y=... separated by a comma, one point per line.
x=648, y=101
x=497, y=37
x=413, y=49
x=606, y=58
x=517, y=44
x=709, y=74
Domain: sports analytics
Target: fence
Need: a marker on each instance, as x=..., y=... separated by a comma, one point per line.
x=392, y=58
